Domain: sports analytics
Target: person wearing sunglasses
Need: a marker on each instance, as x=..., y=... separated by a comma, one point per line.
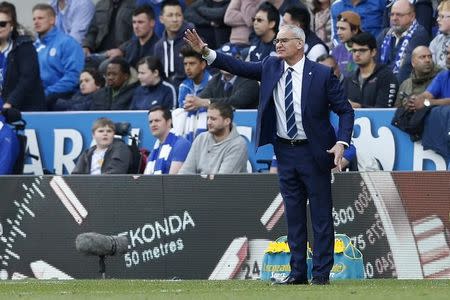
x=372, y=84
x=265, y=25
x=20, y=84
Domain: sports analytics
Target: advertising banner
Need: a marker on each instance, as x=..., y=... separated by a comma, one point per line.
x=59, y=138
x=194, y=227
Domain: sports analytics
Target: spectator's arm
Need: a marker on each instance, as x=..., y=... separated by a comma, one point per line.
x=192, y=15
x=190, y=164
x=180, y=152
x=72, y=59
x=27, y=69
x=240, y=13
x=120, y=159
x=91, y=35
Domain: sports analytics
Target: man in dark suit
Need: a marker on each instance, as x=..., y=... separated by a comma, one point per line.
x=293, y=115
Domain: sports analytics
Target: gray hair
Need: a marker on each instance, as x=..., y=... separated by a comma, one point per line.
x=297, y=31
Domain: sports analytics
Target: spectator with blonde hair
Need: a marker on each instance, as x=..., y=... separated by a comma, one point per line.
x=439, y=44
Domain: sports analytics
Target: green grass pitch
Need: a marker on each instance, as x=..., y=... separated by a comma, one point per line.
x=230, y=289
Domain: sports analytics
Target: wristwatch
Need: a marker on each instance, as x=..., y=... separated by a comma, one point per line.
x=426, y=102
x=205, y=50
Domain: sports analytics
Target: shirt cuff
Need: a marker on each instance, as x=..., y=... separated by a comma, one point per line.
x=211, y=57
x=343, y=143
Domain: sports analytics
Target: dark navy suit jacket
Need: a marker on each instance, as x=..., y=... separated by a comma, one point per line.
x=321, y=92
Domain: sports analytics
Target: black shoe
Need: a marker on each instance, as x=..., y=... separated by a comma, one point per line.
x=320, y=281
x=291, y=280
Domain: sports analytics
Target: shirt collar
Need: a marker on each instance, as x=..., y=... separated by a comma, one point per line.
x=298, y=67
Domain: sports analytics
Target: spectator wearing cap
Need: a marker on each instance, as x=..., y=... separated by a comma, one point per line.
x=397, y=42
x=371, y=12
x=372, y=84
x=226, y=88
x=348, y=25
x=265, y=25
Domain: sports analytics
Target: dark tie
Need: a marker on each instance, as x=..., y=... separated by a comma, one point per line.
x=228, y=86
x=291, y=126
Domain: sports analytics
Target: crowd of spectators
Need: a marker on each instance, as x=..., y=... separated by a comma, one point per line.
x=130, y=54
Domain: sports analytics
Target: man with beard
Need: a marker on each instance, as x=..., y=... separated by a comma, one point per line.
x=220, y=150
x=398, y=42
x=424, y=70
x=372, y=84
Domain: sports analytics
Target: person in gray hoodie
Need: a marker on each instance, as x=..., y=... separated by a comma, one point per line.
x=220, y=150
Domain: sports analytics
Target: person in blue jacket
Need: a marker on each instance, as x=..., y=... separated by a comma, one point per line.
x=20, y=83
x=154, y=90
x=61, y=57
x=9, y=147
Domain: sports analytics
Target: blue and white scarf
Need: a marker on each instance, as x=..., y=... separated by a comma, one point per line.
x=387, y=44
x=161, y=156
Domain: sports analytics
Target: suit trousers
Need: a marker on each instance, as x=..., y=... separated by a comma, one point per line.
x=301, y=179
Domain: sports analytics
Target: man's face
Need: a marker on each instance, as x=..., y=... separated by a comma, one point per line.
x=216, y=123
x=115, y=78
x=172, y=18
x=401, y=16
x=261, y=25
x=344, y=31
x=42, y=21
x=148, y=77
x=422, y=60
x=289, y=45
x=103, y=136
x=159, y=126
x=362, y=55
x=443, y=21
x=194, y=67
x=142, y=25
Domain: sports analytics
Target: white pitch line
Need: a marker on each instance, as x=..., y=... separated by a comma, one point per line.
x=16, y=256
x=21, y=211
x=38, y=190
x=17, y=222
x=24, y=187
x=16, y=203
x=9, y=221
x=28, y=196
x=26, y=200
x=32, y=191
x=12, y=233
x=19, y=231
x=11, y=239
x=28, y=210
x=4, y=263
x=9, y=245
x=3, y=239
x=19, y=217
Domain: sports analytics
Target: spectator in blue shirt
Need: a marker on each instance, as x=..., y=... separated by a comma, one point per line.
x=73, y=16
x=170, y=151
x=154, y=90
x=60, y=56
x=196, y=72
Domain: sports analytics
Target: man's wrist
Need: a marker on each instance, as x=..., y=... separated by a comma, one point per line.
x=205, y=50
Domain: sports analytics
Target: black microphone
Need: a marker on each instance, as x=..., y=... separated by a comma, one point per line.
x=92, y=243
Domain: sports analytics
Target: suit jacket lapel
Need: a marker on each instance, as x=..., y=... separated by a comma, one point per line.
x=306, y=82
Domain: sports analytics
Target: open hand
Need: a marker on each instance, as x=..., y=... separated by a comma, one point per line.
x=338, y=151
x=193, y=39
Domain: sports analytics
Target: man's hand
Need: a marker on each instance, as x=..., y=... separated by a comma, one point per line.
x=193, y=103
x=354, y=104
x=7, y=105
x=415, y=103
x=193, y=39
x=111, y=53
x=338, y=151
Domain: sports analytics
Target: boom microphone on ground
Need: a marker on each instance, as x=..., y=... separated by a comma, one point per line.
x=92, y=243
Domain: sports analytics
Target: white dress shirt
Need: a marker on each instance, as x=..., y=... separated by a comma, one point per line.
x=278, y=96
